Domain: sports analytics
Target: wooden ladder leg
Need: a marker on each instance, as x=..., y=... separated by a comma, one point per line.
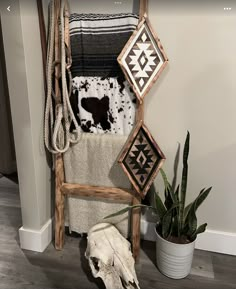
x=143, y=8
x=59, y=167
x=59, y=203
x=135, y=227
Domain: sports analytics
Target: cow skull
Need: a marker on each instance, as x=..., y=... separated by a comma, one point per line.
x=110, y=257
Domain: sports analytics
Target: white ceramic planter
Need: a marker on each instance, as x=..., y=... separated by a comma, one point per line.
x=174, y=260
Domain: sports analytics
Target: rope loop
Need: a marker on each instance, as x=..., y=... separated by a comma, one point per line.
x=57, y=135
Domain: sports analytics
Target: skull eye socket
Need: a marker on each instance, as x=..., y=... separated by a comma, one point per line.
x=95, y=263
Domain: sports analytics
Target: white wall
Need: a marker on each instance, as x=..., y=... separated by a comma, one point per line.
x=25, y=81
x=7, y=152
x=197, y=93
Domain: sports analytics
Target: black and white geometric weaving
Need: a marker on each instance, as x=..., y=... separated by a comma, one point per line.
x=142, y=59
x=142, y=160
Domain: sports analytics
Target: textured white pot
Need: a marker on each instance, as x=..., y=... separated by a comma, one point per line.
x=174, y=260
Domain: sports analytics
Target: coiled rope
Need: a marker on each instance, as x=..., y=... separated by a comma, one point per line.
x=57, y=136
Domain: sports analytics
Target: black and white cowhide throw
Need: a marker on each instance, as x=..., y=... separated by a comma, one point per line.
x=104, y=105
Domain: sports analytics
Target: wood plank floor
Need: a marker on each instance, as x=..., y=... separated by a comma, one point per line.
x=68, y=269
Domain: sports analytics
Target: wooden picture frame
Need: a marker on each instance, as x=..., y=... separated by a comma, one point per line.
x=143, y=59
x=141, y=159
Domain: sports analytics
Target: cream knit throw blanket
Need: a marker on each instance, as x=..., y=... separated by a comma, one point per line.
x=93, y=161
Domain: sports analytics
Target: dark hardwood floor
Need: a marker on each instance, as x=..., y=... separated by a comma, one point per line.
x=68, y=269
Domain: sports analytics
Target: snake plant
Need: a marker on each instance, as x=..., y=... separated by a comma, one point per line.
x=177, y=222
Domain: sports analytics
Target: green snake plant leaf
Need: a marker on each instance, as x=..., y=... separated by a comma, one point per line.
x=191, y=218
x=177, y=194
x=188, y=207
x=200, y=229
x=126, y=209
x=196, y=203
x=167, y=221
x=169, y=194
x=192, y=222
x=164, y=177
x=175, y=228
x=184, y=181
x=160, y=208
x=171, y=229
x=201, y=197
x=168, y=200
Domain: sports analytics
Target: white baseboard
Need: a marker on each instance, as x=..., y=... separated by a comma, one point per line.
x=217, y=241
x=214, y=241
x=36, y=240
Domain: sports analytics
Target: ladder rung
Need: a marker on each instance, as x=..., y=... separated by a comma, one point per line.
x=116, y=194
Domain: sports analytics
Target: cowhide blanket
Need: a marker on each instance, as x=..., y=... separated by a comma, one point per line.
x=103, y=105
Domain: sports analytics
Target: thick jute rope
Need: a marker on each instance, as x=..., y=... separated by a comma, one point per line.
x=65, y=67
x=49, y=114
x=58, y=130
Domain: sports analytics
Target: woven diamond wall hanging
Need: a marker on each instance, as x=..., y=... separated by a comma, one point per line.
x=142, y=59
x=141, y=159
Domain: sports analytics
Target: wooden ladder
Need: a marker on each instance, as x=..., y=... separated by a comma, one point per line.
x=63, y=189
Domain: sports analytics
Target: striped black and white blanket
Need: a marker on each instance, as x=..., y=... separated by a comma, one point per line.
x=97, y=40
